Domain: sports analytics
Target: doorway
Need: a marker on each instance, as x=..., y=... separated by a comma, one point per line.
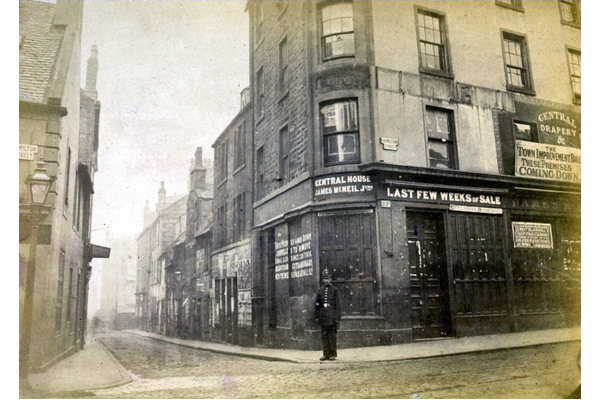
x=429, y=296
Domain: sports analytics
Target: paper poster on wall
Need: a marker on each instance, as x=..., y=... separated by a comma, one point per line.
x=532, y=235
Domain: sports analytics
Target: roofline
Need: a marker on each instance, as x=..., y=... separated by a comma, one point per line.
x=233, y=122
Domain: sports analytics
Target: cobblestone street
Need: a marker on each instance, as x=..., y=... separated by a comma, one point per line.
x=163, y=370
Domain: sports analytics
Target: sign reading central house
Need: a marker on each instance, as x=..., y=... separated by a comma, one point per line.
x=343, y=185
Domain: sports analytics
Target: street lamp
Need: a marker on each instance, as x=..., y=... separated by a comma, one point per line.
x=39, y=186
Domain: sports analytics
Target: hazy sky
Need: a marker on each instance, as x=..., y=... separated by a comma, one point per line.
x=169, y=79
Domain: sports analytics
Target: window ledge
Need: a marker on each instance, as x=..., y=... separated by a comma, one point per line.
x=571, y=24
x=238, y=169
x=259, y=43
x=338, y=57
x=260, y=118
x=511, y=7
x=521, y=90
x=221, y=183
x=284, y=95
x=436, y=72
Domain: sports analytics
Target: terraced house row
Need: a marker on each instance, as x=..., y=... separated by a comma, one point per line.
x=428, y=154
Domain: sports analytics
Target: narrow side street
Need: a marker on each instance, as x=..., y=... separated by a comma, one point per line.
x=162, y=370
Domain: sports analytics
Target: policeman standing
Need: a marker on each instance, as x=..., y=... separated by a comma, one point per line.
x=328, y=313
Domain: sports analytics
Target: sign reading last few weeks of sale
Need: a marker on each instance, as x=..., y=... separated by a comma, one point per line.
x=443, y=196
x=542, y=161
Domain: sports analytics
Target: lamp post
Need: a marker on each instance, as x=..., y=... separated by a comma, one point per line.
x=39, y=185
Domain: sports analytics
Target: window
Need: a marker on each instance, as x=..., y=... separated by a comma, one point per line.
x=239, y=217
x=221, y=237
x=260, y=173
x=59, y=292
x=284, y=156
x=68, y=174
x=284, y=78
x=260, y=93
x=76, y=202
x=516, y=60
x=223, y=160
x=339, y=123
x=574, y=59
x=260, y=16
x=525, y=131
x=337, y=29
x=70, y=296
x=569, y=13
x=512, y=4
x=440, y=138
x=240, y=146
x=432, y=42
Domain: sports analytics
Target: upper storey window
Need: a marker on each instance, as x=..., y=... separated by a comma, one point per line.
x=433, y=50
x=512, y=4
x=516, y=63
x=337, y=27
x=574, y=58
x=259, y=22
x=569, y=13
x=339, y=122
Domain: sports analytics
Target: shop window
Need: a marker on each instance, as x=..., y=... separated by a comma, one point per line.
x=337, y=29
x=440, y=138
x=512, y=4
x=433, y=49
x=525, y=131
x=574, y=60
x=569, y=13
x=347, y=247
x=284, y=156
x=339, y=122
x=516, y=63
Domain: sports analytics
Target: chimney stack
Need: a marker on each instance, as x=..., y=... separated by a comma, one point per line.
x=198, y=173
x=92, y=74
x=162, y=197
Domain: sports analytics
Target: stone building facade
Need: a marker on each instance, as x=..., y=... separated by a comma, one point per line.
x=428, y=155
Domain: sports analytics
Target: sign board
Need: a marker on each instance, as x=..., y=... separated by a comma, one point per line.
x=342, y=185
x=473, y=209
x=532, y=235
x=560, y=127
x=443, y=196
x=542, y=161
x=27, y=151
x=100, y=251
x=389, y=144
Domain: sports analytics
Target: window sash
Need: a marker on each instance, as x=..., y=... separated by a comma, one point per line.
x=575, y=70
x=516, y=63
x=568, y=12
x=432, y=49
x=525, y=131
x=440, y=139
x=283, y=66
x=342, y=148
x=337, y=30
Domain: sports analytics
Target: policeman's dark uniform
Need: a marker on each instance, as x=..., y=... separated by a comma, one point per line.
x=328, y=313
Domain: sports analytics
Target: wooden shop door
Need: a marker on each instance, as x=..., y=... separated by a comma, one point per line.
x=430, y=303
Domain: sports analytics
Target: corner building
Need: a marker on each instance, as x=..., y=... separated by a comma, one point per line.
x=427, y=154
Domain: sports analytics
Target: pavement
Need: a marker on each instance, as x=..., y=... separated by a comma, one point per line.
x=95, y=367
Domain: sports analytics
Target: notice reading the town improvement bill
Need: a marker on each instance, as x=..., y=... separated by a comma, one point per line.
x=542, y=161
x=532, y=235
